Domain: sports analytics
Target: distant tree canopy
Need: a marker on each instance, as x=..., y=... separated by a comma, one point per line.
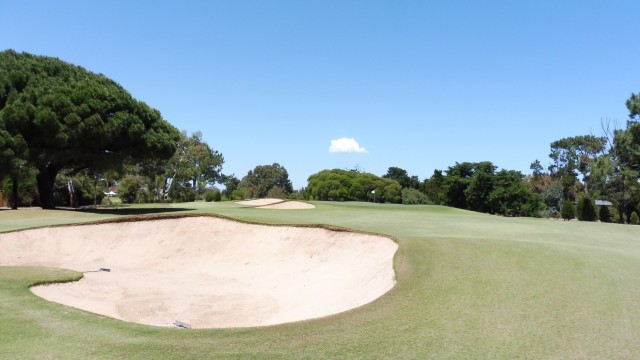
x=55, y=116
x=266, y=181
x=572, y=156
x=230, y=183
x=478, y=187
x=345, y=185
x=193, y=166
x=402, y=177
x=592, y=167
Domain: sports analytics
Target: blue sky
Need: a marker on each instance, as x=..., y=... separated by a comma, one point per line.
x=414, y=84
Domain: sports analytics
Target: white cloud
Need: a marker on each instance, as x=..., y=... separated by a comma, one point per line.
x=346, y=145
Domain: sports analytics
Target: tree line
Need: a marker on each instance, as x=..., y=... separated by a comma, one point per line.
x=67, y=135
x=586, y=168
x=474, y=186
x=588, y=177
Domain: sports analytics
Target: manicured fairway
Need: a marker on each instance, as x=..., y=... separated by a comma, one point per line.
x=469, y=286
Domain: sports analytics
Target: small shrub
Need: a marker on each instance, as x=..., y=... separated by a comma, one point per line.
x=634, y=219
x=605, y=214
x=568, y=212
x=549, y=213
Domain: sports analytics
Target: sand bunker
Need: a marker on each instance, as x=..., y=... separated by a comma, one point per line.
x=289, y=205
x=259, y=202
x=206, y=271
x=276, y=204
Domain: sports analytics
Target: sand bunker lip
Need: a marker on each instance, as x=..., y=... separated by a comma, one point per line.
x=277, y=204
x=207, y=271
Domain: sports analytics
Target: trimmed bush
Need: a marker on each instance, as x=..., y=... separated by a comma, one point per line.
x=549, y=213
x=634, y=219
x=586, y=210
x=605, y=214
x=568, y=212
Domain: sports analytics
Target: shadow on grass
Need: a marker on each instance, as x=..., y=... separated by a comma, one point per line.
x=129, y=211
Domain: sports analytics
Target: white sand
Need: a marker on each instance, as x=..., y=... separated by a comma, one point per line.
x=289, y=205
x=259, y=202
x=277, y=204
x=206, y=271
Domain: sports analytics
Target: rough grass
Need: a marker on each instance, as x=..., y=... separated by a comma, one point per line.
x=469, y=286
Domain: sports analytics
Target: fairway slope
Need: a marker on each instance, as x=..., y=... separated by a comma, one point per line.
x=206, y=271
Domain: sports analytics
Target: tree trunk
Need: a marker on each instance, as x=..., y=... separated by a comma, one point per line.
x=46, y=178
x=14, y=193
x=621, y=212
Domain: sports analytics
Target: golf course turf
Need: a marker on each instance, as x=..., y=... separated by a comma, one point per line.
x=468, y=286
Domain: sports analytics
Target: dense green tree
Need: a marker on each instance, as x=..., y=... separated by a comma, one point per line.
x=213, y=195
x=627, y=146
x=461, y=176
x=552, y=195
x=512, y=197
x=133, y=189
x=457, y=180
x=79, y=189
x=538, y=177
x=479, y=189
x=572, y=156
x=609, y=167
x=586, y=210
x=69, y=118
x=264, y=179
x=402, y=177
x=604, y=214
x=20, y=193
x=194, y=165
x=392, y=193
x=633, y=104
x=345, y=185
x=230, y=183
x=568, y=211
x=13, y=163
x=436, y=188
x=620, y=170
x=414, y=197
